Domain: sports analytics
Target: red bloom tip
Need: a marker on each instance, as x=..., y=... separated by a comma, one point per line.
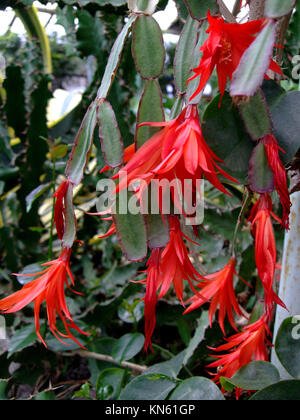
x=166, y=267
x=242, y=348
x=177, y=152
x=48, y=287
x=265, y=248
x=59, y=209
x=152, y=282
x=219, y=288
x=280, y=177
x=224, y=49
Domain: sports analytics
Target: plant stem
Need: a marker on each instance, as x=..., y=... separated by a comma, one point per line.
x=105, y=358
x=246, y=201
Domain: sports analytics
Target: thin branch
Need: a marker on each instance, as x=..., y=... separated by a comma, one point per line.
x=45, y=10
x=257, y=9
x=106, y=358
x=226, y=12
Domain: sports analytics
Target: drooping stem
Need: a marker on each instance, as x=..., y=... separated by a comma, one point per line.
x=246, y=202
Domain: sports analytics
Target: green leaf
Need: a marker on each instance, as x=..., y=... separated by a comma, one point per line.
x=70, y=219
x=282, y=391
x=184, y=54
x=198, y=9
x=110, y=136
x=225, y=134
x=256, y=116
x=150, y=110
x=287, y=346
x=197, y=389
x=255, y=376
x=278, y=8
x=21, y=339
x=285, y=116
x=35, y=194
x=198, y=336
x=148, y=47
x=158, y=231
x=260, y=176
x=114, y=59
x=130, y=228
x=170, y=368
x=128, y=346
x=82, y=145
x=148, y=387
x=249, y=75
x=113, y=377
x=173, y=366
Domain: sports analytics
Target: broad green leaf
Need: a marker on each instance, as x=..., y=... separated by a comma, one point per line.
x=170, y=368
x=184, y=54
x=249, y=75
x=287, y=346
x=255, y=376
x=198, y=9
x=285, y=116
x=35, y=194
x=158, y=231
x=70, y=219
x=148, y=47
x=197, y=389
x=128, y=346
x=45, y=396
x=278, y=8
x=130, y=228
x=150, y=110
x=82, y=145
x=21, y=339
x=173, y=366
x=148, y=387
x=198, y=337
x=114, y=59
x=113, y=377
x=260, y=176
x=147, y=6
x=110, y=136
x=282, y=391
x=225, y=134
x=256, y=116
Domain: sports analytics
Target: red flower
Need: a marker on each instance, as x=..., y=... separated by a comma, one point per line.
x=218, y=288
x=224, y=48
x=153, y=274
x=175, y=264
x=265, y=248
x=242, y=348
x=48, y=287
x=172, y=265
x=59, y=209
x=280, y=177
x=176, y=152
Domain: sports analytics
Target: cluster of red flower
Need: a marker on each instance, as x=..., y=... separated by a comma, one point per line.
x=179, y=150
